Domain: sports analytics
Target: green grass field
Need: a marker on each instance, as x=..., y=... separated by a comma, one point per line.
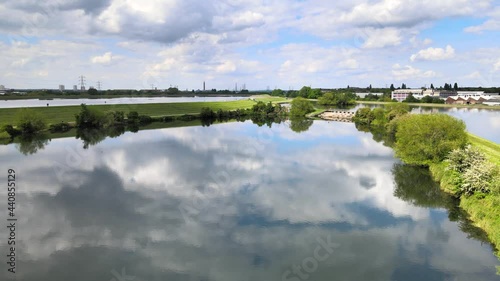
x=57, y=114
x=491, y=149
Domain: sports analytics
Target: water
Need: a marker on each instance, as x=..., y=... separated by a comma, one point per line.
x=235, y=202
x=68, y=102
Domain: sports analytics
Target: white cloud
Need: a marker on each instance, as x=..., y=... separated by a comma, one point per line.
x=380, y=38
x=492, y=24
x=433, y=54
x=106, y=58
x=406, y=72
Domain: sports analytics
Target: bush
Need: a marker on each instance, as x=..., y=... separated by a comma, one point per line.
x=30, y=122
x=92, y=118
x=301, y=107
x=207, y=113
x=423, y=139
x=118, y=116
x=13, y=132
x=461, y=160
x=481, y=178
x=60, y=128
x=364, y=116
x=132, y=116
x=144, y=119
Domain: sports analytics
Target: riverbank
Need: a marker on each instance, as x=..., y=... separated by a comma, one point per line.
x=471, y=106
x=112, y=96
x=484, y=210
x=58, y=114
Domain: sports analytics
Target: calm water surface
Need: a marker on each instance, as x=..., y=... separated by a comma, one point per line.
x=68, y=102
x=234, y=202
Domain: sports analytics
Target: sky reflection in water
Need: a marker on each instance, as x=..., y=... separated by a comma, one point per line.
x=229, y=202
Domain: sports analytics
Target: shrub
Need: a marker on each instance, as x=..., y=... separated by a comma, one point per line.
x=60, y=128
x=92, y=118
x=13, y=132
x=480, y=179
x=30, y=122
x=364, y=116
x=301, y=107
x=144, y=119
x=118, y=116
x=461, y=160
x=207, y=113
x=423, y=139
x=132, y=116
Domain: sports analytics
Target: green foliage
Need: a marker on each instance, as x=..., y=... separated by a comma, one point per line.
x=277, y=93
x=301, y=107
x=429, y=99
x=364, y=115
x=91, y=118
x=60, y=127
x=29, y=122
x=145, y=119
x=13, y=132
x=423, y=139
x=475, y=173
x=300, y=124
x=395, y=110
x=92, y=91
x=118, y=116
x=207, y=114
x=132, y=116
x=411, y=99
x=339, y=99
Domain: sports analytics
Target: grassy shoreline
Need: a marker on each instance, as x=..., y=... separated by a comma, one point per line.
x=484, y=211
x=57, y=114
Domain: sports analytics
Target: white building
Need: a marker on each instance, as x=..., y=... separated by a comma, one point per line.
x=2, y=88
x=402, y=94
x=363, y=95
x=61, y=88
x=75, y=88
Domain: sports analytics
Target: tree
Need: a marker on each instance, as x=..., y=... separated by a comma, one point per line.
x=403, y=86
x=305, y=92
x=300, y=124
x=411, y=99
x=30, y=122
x=392, y=87
x=92, y=118
x=301, y=107
x=92, y=91
x=432, y=86
x=423, y=139
x=277, y=92
x=455, y=87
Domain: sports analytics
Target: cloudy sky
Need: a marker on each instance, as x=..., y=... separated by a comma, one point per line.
x=259, y=43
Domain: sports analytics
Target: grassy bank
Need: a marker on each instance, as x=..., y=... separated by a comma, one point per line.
x=57, y=114
x=484, y=210
x=477, y=106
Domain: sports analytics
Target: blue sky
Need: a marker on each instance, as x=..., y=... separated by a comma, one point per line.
x=267, y=43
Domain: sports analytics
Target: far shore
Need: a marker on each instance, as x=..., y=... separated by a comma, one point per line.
x=471, y=106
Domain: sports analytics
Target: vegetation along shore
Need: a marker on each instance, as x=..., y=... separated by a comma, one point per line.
x=466, y=166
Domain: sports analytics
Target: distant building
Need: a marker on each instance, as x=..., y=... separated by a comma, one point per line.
x=363, y=95
x=75, y=88
x=402, y=94
x=466, y=100
x=2, y=88
x=61, y=88
x=493, y=101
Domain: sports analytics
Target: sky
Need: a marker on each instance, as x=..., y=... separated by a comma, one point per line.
x=262, y=44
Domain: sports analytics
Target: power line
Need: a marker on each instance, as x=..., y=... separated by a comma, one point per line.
x=82, y=82
x=99, y=84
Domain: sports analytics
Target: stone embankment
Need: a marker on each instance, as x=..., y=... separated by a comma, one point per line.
x=339, y=116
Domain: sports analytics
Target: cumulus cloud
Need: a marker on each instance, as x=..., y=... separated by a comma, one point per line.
x=379, y=38
x=406, y=72
x=492, y=24
x=434, y=54
x=106, y=58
